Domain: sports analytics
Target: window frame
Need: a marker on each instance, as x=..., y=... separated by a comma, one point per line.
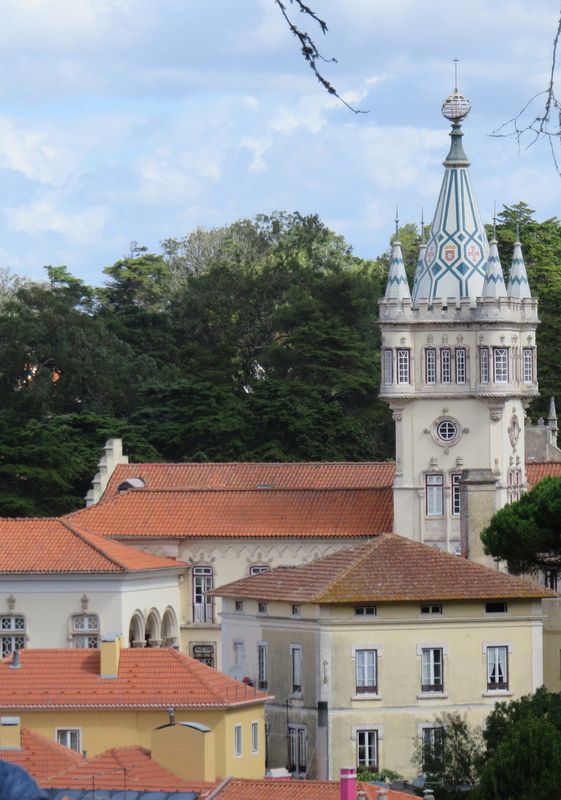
x=528, y=365
x=297, y=746
x=238, y=741
x=202, y=583
x=432, y=667
x=258, y=569
x=432, y=609
x=430, y=365
x=494, y=664
x=367, y=742
x=434, y=494
x=500, y=365
x=366, y=661
x=238, y=649
x=387, y=366
x=255, y=736
x=445, y=365
x=461, y=365
x=296, y=660
x=455, y=498
x=262, y=665
x=12, y=638
x=403, y=366
x=67, y=734
x=431, y=758
x=484, y=365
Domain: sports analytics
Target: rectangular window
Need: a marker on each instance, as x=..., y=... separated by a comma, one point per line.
x=262, y=665
x=261, y=608
x=433, y=608
x=296, y=666
x=239, y=605
x=203, y=606
x=239, y=653
x=497, y=667
x=237, y=740
x=297, y=747
x=445, y=365
x=366, y=671
x=257, y=569
x=500, y=364
x=433, y=739
x=430, y=365
x=460, y=364
x=204, y=653
x=69, y=738
x=367, y=750
x=528, y=365
x=403, y=366
x=295, y=611
x=365, y=611
x=495, y=607
x=484, y=365
x=456, y=495
x=12, y=633
x=432, y=669
x=85, y=630
x=434, y=490
x=388, y=366
x=254, y=737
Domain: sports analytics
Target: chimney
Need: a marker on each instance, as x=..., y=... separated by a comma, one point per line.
x=188, y=749
x=110, y=651
x=347, y=783
x=10, y=733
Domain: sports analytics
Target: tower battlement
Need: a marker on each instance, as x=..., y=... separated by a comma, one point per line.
x=451, y=310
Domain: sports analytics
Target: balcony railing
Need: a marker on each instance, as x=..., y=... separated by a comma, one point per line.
x=203, y=612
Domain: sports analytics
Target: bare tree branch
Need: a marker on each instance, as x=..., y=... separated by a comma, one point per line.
x=309, y=48
x=546, y=125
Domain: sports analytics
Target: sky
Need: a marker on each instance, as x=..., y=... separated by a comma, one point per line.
x=139, y=120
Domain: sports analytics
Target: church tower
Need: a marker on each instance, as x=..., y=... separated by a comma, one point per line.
x=458, y=363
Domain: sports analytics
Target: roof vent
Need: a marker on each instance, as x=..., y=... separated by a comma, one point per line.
x=130, y=483
x=264, y=486
x=15, y=662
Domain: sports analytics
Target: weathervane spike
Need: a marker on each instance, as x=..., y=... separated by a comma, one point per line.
x=397, y=223
x=455, y=74
x=422, y=225
x=517, y=231
x=495, y=220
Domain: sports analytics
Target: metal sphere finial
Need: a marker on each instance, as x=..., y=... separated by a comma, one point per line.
x=456, y=107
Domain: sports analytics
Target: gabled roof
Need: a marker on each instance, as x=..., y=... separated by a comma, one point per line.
x=148, y=678
x=267, y=789
x=41, y=757
x=385, y=569
x=537, y=470
x=317, y=513
x=250, y=475
x=122, y=768
x=43, y=545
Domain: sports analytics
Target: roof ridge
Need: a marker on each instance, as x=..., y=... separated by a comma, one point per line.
x=182, y=658
x=352, y=565
x=83, y=535
x=236, y=490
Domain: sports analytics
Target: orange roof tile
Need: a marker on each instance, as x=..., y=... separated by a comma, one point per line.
x=54, y=546
x=122, y=768
x=148, y=678
x=40, y=756
x=249, y=475
x=537, y=470
x=141, y=513
x=385, y=569
x=268, y=789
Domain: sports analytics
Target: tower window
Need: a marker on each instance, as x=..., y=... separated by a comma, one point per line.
x=460, y=365
x=456, y=495
x=445, y=365
x=434, y=485
x=430, y=365
x=484, y=365
x=528, y=365
x=447, y=430
x=403, y=366
x=387, y=356
x=501, y=364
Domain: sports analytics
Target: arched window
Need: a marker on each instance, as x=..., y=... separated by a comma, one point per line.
x=136, y=630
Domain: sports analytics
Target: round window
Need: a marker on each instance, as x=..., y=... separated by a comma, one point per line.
x=446, y=430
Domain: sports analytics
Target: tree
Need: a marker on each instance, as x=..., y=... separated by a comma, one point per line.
x=451, y=759
x=527, y=534
x=523, y=749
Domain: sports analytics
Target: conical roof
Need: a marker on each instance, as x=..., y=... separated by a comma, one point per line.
x=397, y=287
x=454, y=262
x=518, y=285
x=494, y=283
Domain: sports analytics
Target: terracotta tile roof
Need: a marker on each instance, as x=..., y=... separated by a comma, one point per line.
x=53, y=546
x=267, y=789
x=264, y=512
x=248, y=475
x=385, y=569
x=40, y=756
x=537, y=470
x=148, y=678
x=124, y=768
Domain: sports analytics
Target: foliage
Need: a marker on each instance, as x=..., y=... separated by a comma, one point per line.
x=523, y=756
x=455, y=759
x=527, y=534
x=386, y=775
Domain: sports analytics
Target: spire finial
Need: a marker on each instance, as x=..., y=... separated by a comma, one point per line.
x=397, y=223
x=455, y=74
x=495, y=220
x=517, y=231
x=422, y=225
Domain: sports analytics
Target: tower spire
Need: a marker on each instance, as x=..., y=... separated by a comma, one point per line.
x=397, y=287
x=494, y=283
x=518, y=285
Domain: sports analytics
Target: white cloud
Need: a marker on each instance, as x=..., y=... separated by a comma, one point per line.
x=43, y=217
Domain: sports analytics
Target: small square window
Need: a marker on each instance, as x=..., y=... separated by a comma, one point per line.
x=295, y=611
x=262, y=608
x=365, y=611
x=432, y=608
x=239, y=605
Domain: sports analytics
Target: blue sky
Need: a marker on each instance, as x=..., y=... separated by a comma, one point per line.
x=127, y=120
